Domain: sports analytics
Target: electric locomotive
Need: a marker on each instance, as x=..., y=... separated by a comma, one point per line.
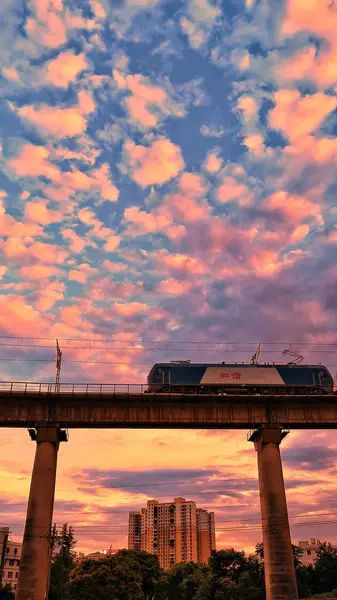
x=229, y=378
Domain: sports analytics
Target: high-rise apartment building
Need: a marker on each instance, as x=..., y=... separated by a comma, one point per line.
x=10, y=553
x=135, y=527
x=174, y=531
x=206, y=534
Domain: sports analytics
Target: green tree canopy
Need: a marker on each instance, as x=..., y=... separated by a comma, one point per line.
x=105, y=579
x=63, y=556
x=6, y=592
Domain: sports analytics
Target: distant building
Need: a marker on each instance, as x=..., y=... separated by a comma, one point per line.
x=10, y=554
x=174, y=531
x=310, y=548
x=98, y=555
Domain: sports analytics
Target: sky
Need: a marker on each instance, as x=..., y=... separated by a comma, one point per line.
x=167, y=191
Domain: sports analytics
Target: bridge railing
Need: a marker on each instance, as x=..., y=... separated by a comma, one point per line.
x=29, y=387
x=101, y=389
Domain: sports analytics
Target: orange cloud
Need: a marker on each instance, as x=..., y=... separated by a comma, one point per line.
x=64, y=69
x=297, y=115
x=155, y=164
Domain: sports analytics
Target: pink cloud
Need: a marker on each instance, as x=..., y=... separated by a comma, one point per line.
x=232, y=189
x=49, y=295
x=81, y=274
x=64, y=69
x=155, y=164
x=192, y=185
x=174, y=287
x=58, y=122
x=312, y=16
x=114, y=267
x=50, y=22
x=112, y=243
x=296, y=208
x=35, y=272
x=47, y=26
x=310, y=65
x=32, y=161
x=38, y=212
x=179, y=262
x=297, y=115
x=186, y=208
x=11, y=74
x=17, y=317
x=101, y=179
x=144, y=222
x=28, y=250
x=213, y=162
x=13, y=229
x=130, y=309
x=142, y=99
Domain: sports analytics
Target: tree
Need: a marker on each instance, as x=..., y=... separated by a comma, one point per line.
x=325, y=570
x=6, y=592
x=63, y=560
x=146, y=565
x=183, y=581
x=228, y=563
x=105, y=579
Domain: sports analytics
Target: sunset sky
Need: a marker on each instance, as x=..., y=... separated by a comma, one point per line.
x=167, y=184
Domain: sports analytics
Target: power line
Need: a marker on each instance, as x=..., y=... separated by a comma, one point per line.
x=107, y=362
x=103, y=529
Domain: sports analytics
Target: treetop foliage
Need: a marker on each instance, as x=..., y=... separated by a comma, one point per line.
x=136, y=575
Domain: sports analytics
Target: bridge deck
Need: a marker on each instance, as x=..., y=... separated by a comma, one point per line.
x=129, y=406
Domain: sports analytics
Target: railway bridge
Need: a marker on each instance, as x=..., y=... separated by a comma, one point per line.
x=50, y=410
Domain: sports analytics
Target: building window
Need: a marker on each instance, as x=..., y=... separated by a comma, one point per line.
x=309, y=552
x=11, y=563
x=16, y=575
x=15, y=551
x=10, y=574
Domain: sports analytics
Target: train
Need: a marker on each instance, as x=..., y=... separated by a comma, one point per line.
x=228, y=378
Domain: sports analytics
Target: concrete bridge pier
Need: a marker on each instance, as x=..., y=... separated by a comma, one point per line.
x=279, y=567
x=36, y=549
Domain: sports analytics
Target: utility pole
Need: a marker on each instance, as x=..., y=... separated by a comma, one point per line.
x=58, y=366
x=256, y=356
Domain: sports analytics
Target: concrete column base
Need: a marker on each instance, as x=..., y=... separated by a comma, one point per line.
x=36, y=549
x=279, y=567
